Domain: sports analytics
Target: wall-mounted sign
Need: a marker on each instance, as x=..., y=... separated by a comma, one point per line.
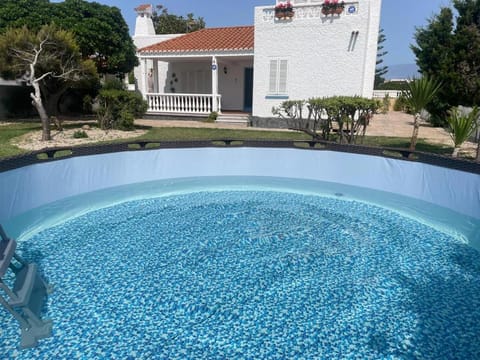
x=352, y=9
x=214, y=67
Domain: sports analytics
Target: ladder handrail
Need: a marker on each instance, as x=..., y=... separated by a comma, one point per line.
x=3, y=235
x=29, y=290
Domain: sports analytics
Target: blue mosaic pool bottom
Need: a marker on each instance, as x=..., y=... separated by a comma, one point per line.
x=253, y=274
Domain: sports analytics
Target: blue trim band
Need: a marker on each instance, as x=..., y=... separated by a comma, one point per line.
x=281, y=97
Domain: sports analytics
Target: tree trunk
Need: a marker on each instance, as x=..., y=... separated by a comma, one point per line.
x=52, y=99
x=38, y=104
x=455, y=151
x=416, y=127
x=51, y=104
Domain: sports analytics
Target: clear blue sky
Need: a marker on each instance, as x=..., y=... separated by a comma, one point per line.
x=399, y=17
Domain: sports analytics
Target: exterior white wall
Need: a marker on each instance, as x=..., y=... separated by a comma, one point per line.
x=142, y=41
x=145, y=36
x=192, y=78
x=232, y=84
x=321, y=60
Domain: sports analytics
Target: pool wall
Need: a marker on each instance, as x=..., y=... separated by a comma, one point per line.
x=31, y=186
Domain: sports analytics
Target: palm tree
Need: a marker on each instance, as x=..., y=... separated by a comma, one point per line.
x=417, y=96
x=461, y=126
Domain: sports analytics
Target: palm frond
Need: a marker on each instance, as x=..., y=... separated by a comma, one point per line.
x=420, y=92
x=462, y=125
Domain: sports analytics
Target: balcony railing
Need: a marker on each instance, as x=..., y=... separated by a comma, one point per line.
x=183, y=103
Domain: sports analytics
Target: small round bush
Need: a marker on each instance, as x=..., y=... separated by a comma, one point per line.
x=80, y=134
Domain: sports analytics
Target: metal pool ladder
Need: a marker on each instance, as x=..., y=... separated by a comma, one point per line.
x=27, y=294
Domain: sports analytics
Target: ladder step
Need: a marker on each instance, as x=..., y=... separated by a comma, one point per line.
x=27, y=296
x=23, y=286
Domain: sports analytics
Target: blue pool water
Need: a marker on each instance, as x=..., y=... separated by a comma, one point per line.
x=251, y=273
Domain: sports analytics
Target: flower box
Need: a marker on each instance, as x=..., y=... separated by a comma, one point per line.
x=333, y=7
x=284, y=11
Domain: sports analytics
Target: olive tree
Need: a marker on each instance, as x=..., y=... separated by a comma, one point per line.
x=37, y=57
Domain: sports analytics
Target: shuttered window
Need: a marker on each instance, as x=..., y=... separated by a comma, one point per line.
x=278, y=76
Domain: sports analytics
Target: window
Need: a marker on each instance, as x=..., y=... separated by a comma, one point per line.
x=353, y=41
x=278, y=77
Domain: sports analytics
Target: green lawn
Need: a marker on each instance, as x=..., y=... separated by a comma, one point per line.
x=173, y=133
x=10, y=131
x=404, y=143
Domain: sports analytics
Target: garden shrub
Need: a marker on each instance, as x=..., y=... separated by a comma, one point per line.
x=80, y=134
x=113, y=83
x=119, y=108
x=393, y=85
x=340, y=117
x=212, y=116
x=385, y=104
x=401, y=105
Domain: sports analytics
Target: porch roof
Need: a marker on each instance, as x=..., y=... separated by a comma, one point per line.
x=237, y=38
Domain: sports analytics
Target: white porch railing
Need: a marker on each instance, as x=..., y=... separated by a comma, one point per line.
x=380, y=94
x=184, y=103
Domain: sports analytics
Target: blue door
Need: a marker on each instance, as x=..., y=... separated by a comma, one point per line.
x=248, y=90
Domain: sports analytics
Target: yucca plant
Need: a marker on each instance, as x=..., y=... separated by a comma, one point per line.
x=417, y=96
x=461, y=126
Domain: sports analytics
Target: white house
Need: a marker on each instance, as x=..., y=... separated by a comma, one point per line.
x=310, y=53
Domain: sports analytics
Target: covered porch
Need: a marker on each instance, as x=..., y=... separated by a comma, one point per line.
x=210, y=70
x=197, y=85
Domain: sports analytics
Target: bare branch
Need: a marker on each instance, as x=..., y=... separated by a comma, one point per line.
x=43, y=77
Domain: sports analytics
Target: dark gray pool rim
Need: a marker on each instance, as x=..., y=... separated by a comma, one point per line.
x=60, y=153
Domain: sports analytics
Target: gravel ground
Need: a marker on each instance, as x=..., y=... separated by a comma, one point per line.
x=32, y=140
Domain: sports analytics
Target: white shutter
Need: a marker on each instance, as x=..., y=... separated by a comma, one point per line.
x=282, y=82
x=272, y=88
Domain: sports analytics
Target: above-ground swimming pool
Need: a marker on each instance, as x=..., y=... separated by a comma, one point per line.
x=251, y=267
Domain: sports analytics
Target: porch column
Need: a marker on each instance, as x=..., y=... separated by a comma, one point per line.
x=214, y=83
x=143, y=71
x=155, y=76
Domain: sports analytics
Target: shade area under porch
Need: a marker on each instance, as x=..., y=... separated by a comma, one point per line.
x=196, y=84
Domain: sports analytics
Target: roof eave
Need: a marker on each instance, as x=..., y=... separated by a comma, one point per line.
x=186, y=53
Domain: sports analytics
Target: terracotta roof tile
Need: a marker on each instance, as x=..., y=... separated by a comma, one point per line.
x=213, y=39
x=143, y=7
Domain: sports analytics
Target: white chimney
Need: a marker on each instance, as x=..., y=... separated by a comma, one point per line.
x=144, y=23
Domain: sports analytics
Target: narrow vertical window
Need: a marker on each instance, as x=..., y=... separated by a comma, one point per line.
x=353, y=40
